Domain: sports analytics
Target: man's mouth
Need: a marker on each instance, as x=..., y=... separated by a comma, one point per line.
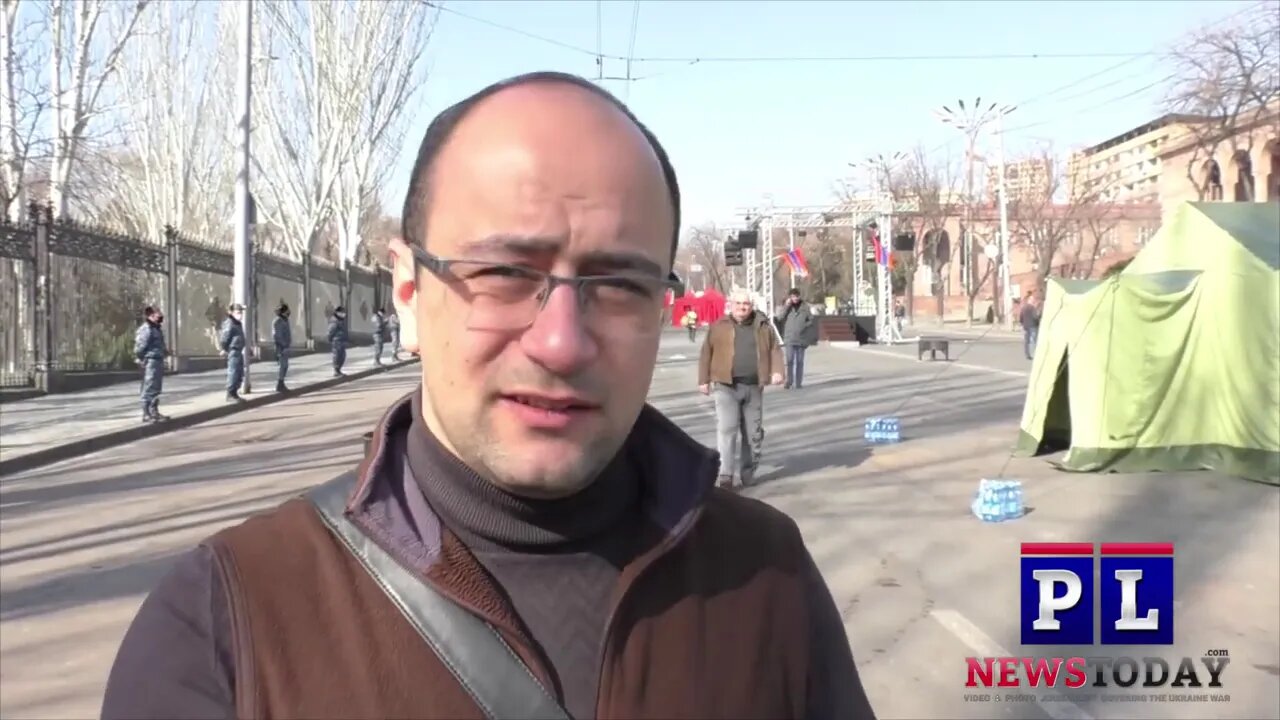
x=552, y=403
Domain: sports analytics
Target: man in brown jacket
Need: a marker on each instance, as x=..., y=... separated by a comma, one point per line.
x=525, y=537
x=739, y=357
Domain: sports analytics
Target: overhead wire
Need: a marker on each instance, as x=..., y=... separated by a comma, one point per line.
x=695, y=59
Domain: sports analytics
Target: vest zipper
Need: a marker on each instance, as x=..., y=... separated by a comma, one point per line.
x=664, y=547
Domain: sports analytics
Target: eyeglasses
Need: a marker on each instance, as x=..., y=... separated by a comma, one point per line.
x=509, y=297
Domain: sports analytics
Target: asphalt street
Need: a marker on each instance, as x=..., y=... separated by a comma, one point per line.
x=921, y=584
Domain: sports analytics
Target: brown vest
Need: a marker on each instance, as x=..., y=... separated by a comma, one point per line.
x=716, y=627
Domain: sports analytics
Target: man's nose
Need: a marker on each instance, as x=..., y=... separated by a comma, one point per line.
x=558, y=339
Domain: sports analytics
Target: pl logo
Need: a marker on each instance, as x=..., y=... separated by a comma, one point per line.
x=1135, y=597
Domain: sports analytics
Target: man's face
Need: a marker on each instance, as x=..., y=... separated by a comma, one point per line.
x=237, y=314
x=570, y=188
x=157, y=318
x=742, y=309
x=795, y=299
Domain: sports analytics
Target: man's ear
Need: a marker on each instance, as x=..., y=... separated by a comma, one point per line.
x=404, y=292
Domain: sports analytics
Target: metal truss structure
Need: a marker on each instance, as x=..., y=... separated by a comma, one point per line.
x=856, y=213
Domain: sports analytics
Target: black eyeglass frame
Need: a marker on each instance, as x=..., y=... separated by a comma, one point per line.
x=440, y=266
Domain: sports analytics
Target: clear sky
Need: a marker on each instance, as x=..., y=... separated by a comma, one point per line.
x=738, y=130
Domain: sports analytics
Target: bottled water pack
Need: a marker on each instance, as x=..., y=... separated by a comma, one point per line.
x=882, y=430
x=998, y=500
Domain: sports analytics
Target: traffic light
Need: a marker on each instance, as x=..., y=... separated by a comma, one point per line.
x=732, y=254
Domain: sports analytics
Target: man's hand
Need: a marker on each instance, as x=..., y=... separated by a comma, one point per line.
x=705, y=389
x=777, y=378
x=222, y=353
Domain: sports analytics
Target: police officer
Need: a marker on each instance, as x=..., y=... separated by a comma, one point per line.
x=231, y=341
x=282, y=335
x=393, y=325
x=379, y=334
x=338, y=339
x=150, y=351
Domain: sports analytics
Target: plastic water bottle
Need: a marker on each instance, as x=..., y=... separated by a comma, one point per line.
x=882, y=430
x=998, y=500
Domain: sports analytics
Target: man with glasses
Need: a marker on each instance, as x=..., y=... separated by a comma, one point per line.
x=739, y=356
x=525, y=537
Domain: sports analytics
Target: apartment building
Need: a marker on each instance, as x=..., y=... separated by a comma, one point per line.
x=1026, y=180
x=1127, y=168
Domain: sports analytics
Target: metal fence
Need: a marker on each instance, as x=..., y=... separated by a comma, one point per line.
x=71, y=295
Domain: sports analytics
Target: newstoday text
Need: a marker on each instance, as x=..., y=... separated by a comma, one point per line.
x=1097, y=679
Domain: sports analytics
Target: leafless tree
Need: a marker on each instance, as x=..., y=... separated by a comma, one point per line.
x=87, y=40
x=384, y=65
x=337, y=84
x=1224, y=77
x=1049, y=224
x=22, y=104
x=927, y=184
x=176, y=80
x=704, y=246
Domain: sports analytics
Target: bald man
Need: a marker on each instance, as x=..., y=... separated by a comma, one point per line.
x=525, y=537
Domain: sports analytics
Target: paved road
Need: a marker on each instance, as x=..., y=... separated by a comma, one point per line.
x=920, y=583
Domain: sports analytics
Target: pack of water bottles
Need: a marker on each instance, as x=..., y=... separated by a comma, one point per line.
x=998, y=500
x=882, y=430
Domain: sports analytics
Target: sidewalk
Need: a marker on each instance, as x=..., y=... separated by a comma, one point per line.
x=931, y=326
x=38, y=431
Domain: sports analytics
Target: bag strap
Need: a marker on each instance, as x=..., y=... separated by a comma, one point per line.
x=486, y=667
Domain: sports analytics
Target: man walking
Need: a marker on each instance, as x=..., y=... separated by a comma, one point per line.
x=739, y=356
x=338, y=340
x=232, y=342
x=379, y=334
x=525, y=537
x=282, y=336
x=1029, y=318
x=150, y=350
x=799, y=331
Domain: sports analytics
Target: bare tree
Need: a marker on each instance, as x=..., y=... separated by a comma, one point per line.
x=704, y=246
x=384, y=67
x=332, y=113
x=1049, y=224
x=929, y=185
x=176, y=83
x=87, y=39
x=22, y=104
x=1224, y=77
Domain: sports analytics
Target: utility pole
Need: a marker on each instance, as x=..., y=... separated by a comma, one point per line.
x=242, y=286
x=1006, y=300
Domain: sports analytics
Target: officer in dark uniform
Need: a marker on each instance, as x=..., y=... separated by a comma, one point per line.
x=150, y=351
x=379, y=335
x=393, y=325
x=338, y=339
x=232, y=342
x=282, y=335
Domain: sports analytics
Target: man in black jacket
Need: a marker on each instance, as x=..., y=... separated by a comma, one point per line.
x=799, y=330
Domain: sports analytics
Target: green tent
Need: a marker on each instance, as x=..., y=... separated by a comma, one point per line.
x=1174, y=363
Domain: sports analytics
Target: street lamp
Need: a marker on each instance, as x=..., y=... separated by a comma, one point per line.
x=970, y=119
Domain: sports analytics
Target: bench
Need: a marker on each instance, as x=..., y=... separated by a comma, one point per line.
x=933, y=345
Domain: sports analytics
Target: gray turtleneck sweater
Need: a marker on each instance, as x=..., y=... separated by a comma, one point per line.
x=557, y=561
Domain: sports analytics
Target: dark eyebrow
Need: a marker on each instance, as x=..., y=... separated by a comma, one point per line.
x=597, y=261
x=620, y=261
x=524, y=244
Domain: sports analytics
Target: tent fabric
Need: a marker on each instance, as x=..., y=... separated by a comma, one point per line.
x=709, y=306
x=1174, y=363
